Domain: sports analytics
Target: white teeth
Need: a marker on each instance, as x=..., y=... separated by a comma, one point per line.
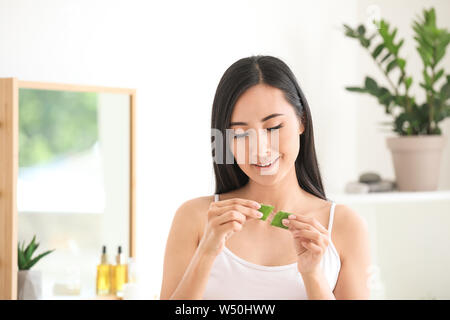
x=264, y=165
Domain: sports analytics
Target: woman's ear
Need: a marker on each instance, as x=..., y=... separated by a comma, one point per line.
x=301, y=128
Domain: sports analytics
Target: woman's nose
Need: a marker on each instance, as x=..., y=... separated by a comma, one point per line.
x=259, y=147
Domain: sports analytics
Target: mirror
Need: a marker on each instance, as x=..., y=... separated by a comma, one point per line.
x=74, y=181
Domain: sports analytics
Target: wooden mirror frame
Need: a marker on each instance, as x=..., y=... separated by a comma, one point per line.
x=9, y=160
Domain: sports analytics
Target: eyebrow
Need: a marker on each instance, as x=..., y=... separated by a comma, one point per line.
x=273, y=115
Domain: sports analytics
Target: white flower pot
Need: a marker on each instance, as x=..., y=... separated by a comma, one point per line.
x=29, y=285
x=417, y=161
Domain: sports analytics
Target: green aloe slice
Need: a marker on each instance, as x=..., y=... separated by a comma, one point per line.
x=276, y=221
x=266, y=210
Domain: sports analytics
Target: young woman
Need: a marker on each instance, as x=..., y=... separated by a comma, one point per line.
x=219, y=248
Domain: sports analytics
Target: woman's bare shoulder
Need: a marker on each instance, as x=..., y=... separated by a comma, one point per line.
x=347, y=219
x=193, y=212
x=349, y=227
x=195, y=204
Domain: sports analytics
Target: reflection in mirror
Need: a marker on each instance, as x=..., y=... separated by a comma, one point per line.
x=73, y=184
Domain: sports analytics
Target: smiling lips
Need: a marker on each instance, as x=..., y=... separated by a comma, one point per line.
x=259, y=165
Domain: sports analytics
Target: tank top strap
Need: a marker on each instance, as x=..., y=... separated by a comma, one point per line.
x=216, y=197
x=330, y=221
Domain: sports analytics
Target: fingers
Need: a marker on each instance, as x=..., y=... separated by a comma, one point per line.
x=311, y=235
x=230, y=227
x=244, y=202
x=297, y=224
x=309, y=232
x=311, y=246
x=247, y=211
x=232, y=215
x=312, y=222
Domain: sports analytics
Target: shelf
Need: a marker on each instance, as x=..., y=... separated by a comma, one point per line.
x=391, y=197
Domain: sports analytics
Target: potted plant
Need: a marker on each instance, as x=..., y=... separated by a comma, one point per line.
x=29, y=281
x=417, y=147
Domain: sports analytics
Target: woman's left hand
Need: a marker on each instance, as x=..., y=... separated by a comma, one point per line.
x=311, y=240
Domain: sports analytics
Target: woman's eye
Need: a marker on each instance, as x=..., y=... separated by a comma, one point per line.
x=275, y=128
x=246, y=134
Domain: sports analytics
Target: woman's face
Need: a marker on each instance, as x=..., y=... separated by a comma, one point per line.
x=265, y=130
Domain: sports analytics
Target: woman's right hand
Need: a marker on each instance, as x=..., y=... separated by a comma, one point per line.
x=224, y=218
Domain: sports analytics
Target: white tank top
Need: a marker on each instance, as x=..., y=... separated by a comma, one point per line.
x=233, y=278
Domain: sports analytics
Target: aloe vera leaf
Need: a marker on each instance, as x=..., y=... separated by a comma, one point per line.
x=35, y=260
x=265, y=210
x=30, y=249
x=21, y=258
x=276, y=221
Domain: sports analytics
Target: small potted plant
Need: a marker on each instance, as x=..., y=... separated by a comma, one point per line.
x=29, y=281
x=417, y=147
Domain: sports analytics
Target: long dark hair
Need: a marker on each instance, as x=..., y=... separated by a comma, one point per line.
x=239, y=77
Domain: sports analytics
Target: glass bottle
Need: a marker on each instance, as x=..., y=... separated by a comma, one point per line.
x=119, y=274
x=103, y=285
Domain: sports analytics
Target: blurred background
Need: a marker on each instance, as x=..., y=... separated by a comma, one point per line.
x=174, y=53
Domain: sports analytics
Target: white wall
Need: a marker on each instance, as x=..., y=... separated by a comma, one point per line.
x=174, y=54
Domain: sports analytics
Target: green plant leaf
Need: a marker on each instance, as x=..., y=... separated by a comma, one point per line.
x=445, y=90
x=426, y=77
x=425, y=86
x=430, y=17
x=24, y=255
x=447, y=111
x=401, y=63
x=385, y=98
x=377, y=50
x=384, y=95
x=361, y=30
x=349, y=32
x=442, y=42
x=36, y=259
x=400, y=79
x=426, y=57
x=438, y=75
x=371, y=85
x=400, y=121
x=408, y=82
x=397, y=48
x=30, y=249
x=355, y=89
x=393, y=34
x=386, y=57
x=391, y=65
x=364, y=42
x=21, y=259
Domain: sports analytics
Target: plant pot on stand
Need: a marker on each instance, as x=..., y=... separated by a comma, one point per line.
x=417, y=161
